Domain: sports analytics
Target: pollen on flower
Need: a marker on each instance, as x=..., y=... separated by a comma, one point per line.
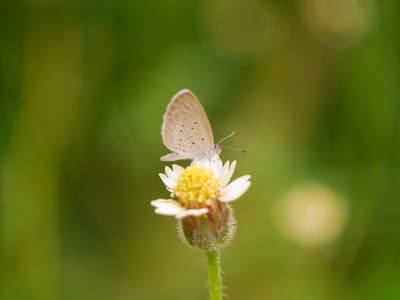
x=196, y=186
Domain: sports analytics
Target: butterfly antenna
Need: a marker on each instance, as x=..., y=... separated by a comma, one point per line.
x=232, y=133
x=244, y=151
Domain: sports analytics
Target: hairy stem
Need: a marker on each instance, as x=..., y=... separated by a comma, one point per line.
x=214, y=274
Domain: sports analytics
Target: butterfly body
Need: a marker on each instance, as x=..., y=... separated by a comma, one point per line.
x=186, y=129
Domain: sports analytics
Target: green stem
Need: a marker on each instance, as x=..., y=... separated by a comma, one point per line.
x=214, y=274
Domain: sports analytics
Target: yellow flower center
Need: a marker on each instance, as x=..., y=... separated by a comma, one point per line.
x=196, y=185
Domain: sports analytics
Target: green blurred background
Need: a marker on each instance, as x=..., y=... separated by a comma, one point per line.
x=311, y=89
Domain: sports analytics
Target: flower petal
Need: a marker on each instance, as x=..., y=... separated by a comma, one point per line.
x=202, y=162
x=171, y=174
x=192, y=212
x=167, y=207
x=216, y=165
x=235, y=189
x=227, y=173
x=170, y=183
x=177, y=169
x=224, y=171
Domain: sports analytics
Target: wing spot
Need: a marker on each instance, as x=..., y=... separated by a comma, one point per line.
x=183, y=125
x=192, y=143
x=180, y=140
x=179, y=144
x=202, y=139
x=195, y=123
x=181, y=130
x=188, y=107
x=183, y=151
x=192, y=128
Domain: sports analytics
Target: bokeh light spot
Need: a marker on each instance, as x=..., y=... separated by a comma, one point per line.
x=338, y=23
x=311, y=215
x=241, y=27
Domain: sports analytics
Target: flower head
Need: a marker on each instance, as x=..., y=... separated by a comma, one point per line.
x=203, y=193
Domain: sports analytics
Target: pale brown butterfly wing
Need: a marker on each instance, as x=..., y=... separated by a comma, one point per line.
x=186, y=129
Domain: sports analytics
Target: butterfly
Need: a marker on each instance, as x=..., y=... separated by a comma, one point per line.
x=186, y=129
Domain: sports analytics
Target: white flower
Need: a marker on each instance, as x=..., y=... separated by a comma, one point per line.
x=197, y=188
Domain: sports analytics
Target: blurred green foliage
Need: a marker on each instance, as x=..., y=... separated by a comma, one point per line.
x=311, y=89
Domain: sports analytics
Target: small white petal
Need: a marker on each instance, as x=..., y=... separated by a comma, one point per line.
x=171, y=174
x=224, y=171
x=160, y=202
x=232, y=195
x=216, y=158
x=235, y=189
x=228, y=174
x=177, y=169
x=202, y=162
x=238, y=182
x=216, y=165
x=170, y=183
x=167, y=207
x=232, y=169
x=224, y=175
x=192, y=212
